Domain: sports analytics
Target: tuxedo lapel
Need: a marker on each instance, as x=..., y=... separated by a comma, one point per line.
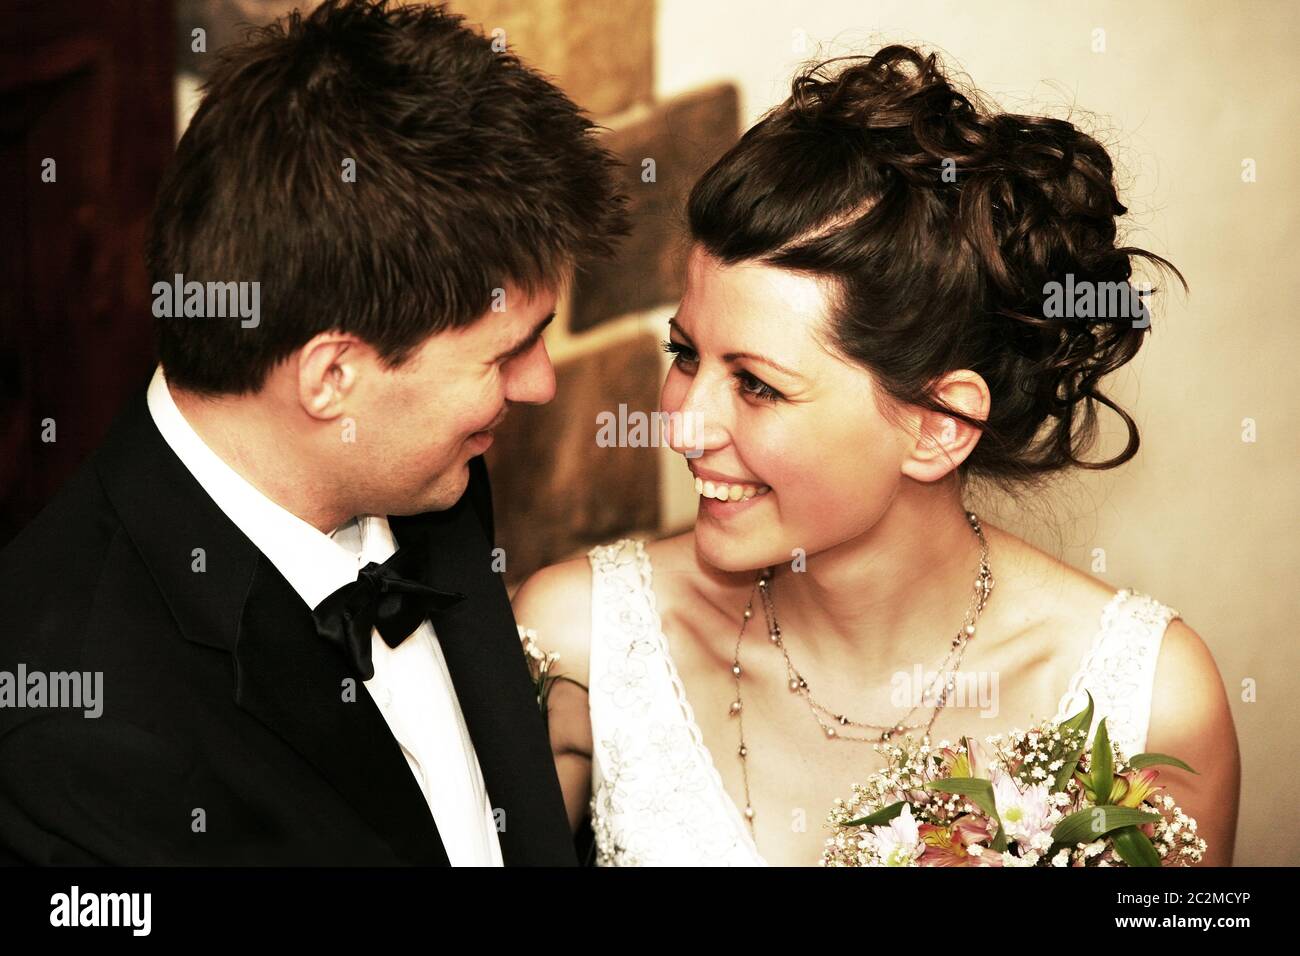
x=288, y=678
x=481, y=645
x=225, y=594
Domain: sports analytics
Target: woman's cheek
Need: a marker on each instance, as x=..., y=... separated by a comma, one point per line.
x=789, y=464
x=821, y=487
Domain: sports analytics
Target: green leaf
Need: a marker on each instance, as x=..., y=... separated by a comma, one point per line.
x=1142, y=761
x=980, y=792
x=1103, y=765
x=1070, y=760
x=1078, y=826
x=1134, y=848
x=880, y=817
x=1083, y=719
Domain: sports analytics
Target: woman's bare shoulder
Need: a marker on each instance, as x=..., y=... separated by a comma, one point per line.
x=1043, y=598
x=556, y=600
x=556, y=603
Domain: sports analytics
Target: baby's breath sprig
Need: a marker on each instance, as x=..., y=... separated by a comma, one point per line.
x=540, y=664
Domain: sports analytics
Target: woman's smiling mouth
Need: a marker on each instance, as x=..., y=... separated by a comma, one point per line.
x=724, y=496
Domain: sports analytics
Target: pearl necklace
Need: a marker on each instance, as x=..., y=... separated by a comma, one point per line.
x=798, y=685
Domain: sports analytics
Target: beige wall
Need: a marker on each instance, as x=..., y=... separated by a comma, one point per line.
x=1202, y=520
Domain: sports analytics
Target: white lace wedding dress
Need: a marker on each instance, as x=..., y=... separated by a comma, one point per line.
x=657, y=798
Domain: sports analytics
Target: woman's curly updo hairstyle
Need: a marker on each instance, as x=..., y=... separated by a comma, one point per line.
x=931, y=273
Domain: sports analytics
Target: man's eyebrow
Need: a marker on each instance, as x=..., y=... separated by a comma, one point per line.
x=732, y=356
x=528, y=342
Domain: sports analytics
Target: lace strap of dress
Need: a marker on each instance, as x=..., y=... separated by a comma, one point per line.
x=622, y=603
x=657, y=796
x=624, y=633
x=1119, y=669
x=627, y=636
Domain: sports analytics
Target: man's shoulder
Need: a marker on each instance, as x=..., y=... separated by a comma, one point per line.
x=49, y=572
x=77, y=525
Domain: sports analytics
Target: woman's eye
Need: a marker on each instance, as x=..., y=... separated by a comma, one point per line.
x=748, y=383
x=757, y=388
x=684, y=354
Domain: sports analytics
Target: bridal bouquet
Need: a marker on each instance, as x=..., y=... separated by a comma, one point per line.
x=1037, y=798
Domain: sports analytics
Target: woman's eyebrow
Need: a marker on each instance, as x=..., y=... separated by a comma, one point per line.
x=732, y=356
x=673, y=323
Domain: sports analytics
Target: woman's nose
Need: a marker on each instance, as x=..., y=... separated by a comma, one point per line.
x=686, y=433
x=695, y=425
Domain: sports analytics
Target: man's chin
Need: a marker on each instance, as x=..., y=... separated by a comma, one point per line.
x=447, y=489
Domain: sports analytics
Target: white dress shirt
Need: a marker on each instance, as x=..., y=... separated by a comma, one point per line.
x=411, y=686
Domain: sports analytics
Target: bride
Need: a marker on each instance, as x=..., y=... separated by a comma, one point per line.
x=863, y=331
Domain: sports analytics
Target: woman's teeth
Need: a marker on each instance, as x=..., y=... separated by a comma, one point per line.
x=727, y=491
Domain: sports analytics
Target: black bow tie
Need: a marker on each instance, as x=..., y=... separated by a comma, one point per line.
x=383, y=597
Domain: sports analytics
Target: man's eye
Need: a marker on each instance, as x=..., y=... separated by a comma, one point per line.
x=757, y=388
x=684, y=354
x=519, y=352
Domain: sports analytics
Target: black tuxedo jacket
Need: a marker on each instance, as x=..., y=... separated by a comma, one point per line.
x=225, y=737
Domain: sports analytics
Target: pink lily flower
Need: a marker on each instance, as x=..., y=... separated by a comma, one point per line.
x=949, y=845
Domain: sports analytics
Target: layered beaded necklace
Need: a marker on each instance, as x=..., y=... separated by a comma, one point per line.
x=832, y=724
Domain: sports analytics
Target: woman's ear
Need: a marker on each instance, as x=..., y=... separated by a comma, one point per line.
x=943, y=441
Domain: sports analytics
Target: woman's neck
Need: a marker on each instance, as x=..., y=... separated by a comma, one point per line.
x=895, y=595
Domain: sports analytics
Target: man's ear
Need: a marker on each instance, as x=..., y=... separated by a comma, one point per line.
x=328, y=366
x=942, y=441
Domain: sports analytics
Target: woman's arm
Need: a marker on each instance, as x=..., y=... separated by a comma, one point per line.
x=556, y=603
x=1191, y=720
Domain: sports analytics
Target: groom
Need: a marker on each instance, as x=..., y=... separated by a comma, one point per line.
x=262, y=624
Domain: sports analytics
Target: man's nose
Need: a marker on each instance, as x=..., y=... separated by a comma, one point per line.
x=531, y=378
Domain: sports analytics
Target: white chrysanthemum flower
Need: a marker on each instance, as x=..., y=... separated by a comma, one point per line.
x=899, y=844
x=1024, y=813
